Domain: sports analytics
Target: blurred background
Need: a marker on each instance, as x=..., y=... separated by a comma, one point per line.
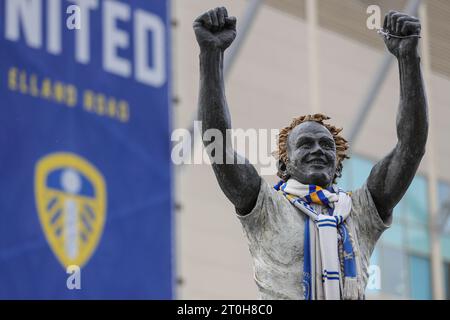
x=97, y=137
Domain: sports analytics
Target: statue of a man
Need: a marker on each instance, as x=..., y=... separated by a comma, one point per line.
x=308, y=238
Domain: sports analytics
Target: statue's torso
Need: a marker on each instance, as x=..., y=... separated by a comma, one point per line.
x=275, y=230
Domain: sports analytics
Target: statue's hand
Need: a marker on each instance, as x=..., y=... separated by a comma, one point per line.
x=400, y=24
x=214, y=29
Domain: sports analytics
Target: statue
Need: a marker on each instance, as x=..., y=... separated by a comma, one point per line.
x=308, y=238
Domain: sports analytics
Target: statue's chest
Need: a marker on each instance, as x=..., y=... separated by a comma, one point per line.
x=285, y=240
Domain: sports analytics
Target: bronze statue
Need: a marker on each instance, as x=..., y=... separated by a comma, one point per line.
x=308, y=238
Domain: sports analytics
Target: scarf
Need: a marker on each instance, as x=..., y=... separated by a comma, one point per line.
x=326, y=210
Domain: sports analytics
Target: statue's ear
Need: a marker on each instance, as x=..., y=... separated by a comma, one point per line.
x=281, y=165
x=282, y=170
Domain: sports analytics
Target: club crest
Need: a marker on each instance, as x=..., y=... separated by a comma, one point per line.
x=71, y=203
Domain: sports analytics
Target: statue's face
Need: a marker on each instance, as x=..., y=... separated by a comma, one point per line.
x=312, y=154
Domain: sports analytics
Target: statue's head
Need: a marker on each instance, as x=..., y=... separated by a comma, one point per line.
x=311, y=151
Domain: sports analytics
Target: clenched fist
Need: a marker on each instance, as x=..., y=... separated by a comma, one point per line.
x=401, y=25
x=214, y=29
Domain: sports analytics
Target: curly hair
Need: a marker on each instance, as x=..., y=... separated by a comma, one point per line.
x=341, y=144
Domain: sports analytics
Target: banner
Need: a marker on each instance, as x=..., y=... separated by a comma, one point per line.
x=85, y=170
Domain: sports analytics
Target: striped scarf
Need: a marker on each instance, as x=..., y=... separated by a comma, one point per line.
x=326, y=210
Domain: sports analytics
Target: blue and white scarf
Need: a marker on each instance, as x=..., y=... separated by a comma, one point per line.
x=327, y=210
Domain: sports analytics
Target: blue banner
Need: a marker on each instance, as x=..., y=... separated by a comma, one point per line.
x=85, y=170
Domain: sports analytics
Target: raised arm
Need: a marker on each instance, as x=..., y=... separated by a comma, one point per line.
x=238, y=179
x=391, y=177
